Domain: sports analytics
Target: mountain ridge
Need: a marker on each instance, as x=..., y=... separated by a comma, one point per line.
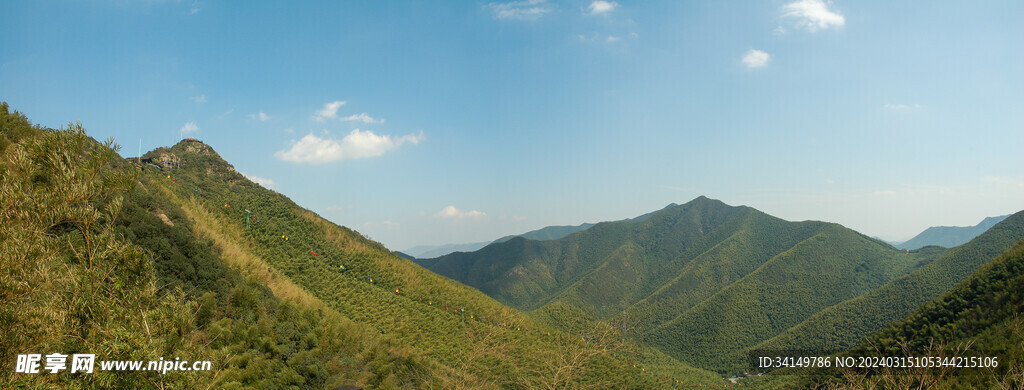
x=658, y=268
x=949, y=236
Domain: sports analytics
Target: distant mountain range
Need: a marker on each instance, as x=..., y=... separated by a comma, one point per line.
x=542, y=234
x=431, y=251
x=706, y=282
x=949, y=236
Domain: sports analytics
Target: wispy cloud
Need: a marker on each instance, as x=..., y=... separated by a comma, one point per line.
x=189, y=127
x=385, y=225
x=329, y=111
x=195, y=8
x=199, y=99
x=266, y=183
x=812, y=15
x=756, y=58
x=362, y=118
x=451, y=212
x=357, y=144
x=261, y=116
x=519, y=10
x=601, y=7
x=601, y=38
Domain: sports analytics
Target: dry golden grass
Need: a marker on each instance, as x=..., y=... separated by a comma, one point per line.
x=228, y=240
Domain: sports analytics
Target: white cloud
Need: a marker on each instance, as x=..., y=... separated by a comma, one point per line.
x=386, y=225
x=901, y=107
x=596, y=37
x=189, y=127
x=330, y=111
x=519, y=10
x=812, y=15
x=362, y=118
x=262, y=116
x=195, y=8
x=601, y=6
x=199, y=99
x=266, y=183
x=451, y=212
x=357, y=144
x=756, y=58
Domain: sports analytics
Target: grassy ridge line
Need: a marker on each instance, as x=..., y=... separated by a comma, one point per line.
x=416, y=279
x=663, y=367
x=431, y=332
x=227, y=238
x=250, y=264
x=654, y=358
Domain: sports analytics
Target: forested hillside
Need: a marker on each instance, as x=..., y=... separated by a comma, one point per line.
x=179, y=255
x=705, y=281
x=76, y=280
x=844, y=325
x=979, y=318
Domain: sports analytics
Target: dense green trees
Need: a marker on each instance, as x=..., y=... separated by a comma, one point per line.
x=404, y=303
x=979, y=317
x=68, y=283
x=705, y=281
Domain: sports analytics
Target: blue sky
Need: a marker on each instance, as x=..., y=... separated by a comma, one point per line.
x=445, y=122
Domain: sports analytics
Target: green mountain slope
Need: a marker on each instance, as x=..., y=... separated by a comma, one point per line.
x=548, y=233
x=365, y=282
x=705, y=281
x=979, y=317
x=834, y=265
x=134, y=261
x=527, y=274
x=844, y=325
x=950, y=236
x=88, y=265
